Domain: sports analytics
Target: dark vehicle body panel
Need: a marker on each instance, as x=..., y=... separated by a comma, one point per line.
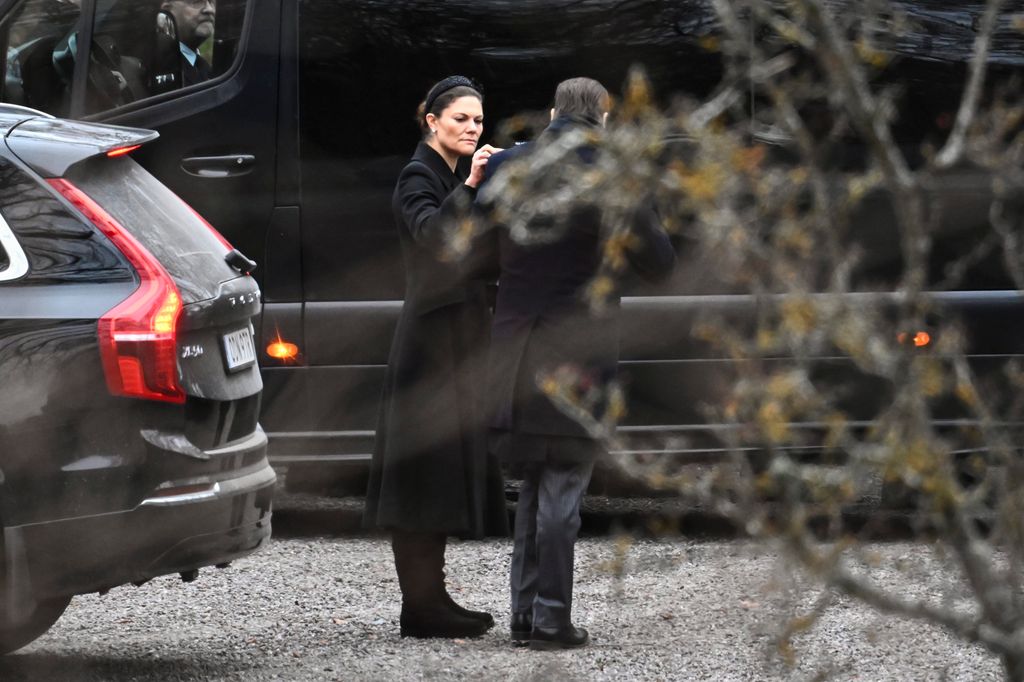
x=148, y=538
x=320, y=104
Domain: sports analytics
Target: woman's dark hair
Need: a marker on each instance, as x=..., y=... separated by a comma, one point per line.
x=444, y=93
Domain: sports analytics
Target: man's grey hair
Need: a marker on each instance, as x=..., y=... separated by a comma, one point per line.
x=583, y=97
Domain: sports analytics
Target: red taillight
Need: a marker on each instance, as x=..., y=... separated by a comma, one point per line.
x=138, y=337
x=121, y=151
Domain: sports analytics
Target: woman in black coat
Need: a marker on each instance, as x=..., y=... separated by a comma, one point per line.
x=432, y=475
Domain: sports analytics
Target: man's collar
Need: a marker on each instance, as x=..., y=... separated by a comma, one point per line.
x=564, y=121
x=187, y=52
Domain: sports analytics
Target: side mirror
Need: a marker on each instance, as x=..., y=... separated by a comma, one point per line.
x=166, y=25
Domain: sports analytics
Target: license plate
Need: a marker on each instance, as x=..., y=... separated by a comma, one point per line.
x=239, y=351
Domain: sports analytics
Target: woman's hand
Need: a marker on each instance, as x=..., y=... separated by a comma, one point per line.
x=480, y=158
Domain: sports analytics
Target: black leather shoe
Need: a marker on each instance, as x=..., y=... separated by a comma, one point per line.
x=481, y=616
x=439, y=622
x=549, y=639
x=522, y=624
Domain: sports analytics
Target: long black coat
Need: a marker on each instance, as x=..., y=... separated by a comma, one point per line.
x=542, y=319
x=431, y=470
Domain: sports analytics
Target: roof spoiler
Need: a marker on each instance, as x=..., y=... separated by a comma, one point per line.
x=50, y=146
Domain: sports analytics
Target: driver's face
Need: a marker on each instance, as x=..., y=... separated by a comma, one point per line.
x=194, y=18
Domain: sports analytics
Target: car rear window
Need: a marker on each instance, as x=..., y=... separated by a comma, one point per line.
x=162, y=222
x=42, y=241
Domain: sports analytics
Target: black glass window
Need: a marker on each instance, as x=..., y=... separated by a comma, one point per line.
x=31, y=35
x=57, y=245
x=138, y=49
x=141, y=49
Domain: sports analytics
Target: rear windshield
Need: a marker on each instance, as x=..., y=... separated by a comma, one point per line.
x=161, y=221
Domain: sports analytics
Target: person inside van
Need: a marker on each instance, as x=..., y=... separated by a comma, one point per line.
x=195, y=23
x=191, y=23
x=432, y=475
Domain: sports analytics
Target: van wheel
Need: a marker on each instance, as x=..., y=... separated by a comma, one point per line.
x=13, y=636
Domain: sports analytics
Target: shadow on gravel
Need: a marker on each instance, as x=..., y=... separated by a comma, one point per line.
x=867, y=524
x=311, y=523
x=38, y=666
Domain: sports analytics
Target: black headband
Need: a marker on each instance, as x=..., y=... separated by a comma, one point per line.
x=444, y=86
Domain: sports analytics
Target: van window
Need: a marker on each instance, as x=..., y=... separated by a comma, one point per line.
x=142, y=48
x=138, y=49
x=31, y=34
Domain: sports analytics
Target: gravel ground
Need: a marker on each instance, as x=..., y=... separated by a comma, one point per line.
x=326, y=608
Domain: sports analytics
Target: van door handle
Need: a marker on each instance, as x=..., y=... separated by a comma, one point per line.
x=218, y=166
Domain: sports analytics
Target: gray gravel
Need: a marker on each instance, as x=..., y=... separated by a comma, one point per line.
x=327, y=609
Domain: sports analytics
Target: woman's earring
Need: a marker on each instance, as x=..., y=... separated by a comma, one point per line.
x=433, y=132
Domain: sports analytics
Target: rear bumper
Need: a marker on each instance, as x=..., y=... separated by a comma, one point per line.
x=183, y=525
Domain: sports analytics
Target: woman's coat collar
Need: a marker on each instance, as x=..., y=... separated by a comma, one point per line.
x=427, y=155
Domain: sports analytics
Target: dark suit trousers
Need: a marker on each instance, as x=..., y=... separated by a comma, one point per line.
x=547, y=524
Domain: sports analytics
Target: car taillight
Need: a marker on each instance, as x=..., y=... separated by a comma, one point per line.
x=122, y=151
x=138, y=337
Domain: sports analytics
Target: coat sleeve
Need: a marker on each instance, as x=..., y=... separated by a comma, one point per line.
x=483, y=259
x=653, y=257
x=426, y=209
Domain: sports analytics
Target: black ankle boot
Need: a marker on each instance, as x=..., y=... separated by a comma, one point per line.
x=427, y=608
x=481, y=616
x=439, y=621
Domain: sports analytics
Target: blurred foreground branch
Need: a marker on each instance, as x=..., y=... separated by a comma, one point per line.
x=860, y=263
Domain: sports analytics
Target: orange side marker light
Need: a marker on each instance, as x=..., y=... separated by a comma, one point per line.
x=282, y=350
x=919, y=339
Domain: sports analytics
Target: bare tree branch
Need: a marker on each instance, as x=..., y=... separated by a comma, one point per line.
x=971, y=629
x=953, y=150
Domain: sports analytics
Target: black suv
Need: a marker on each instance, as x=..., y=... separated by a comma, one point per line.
x=129, y=392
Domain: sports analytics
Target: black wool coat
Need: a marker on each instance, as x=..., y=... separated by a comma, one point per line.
x=543, y=320
x=431, y=469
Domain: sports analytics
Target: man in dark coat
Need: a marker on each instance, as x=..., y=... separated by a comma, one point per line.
x=543, y=322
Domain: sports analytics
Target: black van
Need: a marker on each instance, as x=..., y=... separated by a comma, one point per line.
x=292, y=146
